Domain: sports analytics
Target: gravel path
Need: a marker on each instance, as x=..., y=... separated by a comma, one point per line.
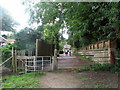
x=79, y=80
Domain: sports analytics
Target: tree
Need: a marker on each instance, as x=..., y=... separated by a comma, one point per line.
x=6, y=53
x=91, y=22
x=50, y=15
x=6, y=20
x=26, y=39
x=87, y=23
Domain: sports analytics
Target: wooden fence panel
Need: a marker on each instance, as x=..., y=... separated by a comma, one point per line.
x=43, y=48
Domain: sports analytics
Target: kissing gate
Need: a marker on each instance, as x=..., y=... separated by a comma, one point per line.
x=41, y=60
x=45, y=58
x=33, y=63
x=38, y=63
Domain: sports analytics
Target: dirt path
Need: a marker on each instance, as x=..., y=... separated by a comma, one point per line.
x=79, y=80
x=59, y=80
x=67, y=79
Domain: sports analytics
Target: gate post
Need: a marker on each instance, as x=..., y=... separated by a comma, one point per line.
x=112, y=51
x=54, y=63
x=34, y=63
x=14, y=61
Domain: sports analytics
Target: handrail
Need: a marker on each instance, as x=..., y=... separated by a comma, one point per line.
x=6, y=61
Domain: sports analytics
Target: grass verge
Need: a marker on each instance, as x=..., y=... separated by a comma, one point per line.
x=96, y=66
x=60, y=70
x=21, y=81
x=99, y=67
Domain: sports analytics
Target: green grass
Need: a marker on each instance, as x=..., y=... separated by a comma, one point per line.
x=60, y=70
x=84, y=78
x=96, y=86
x=96, y=66
x=22, y=81
x=99, y=67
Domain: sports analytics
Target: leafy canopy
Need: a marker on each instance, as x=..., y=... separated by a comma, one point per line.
x=6, y=21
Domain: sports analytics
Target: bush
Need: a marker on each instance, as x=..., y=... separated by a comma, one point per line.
x=86, y=68
x=6, y=53
x=115, y=69
x=100, y=67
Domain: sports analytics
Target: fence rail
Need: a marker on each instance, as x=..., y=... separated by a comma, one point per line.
x=26, y=60
x=38, y=63
x=101, y=45
x=6, y=61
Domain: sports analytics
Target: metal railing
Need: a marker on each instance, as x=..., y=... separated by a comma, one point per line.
x=38, y=63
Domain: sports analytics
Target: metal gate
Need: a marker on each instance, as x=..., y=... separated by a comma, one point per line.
x=38, y=63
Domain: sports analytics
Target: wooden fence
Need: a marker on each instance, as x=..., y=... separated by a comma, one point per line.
x=101, y=45
x=19, y=57
x=110, y=48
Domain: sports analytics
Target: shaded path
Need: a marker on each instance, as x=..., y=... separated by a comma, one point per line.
x=59, y=80
x=68, y=79
x=79, y=80
x=66, y=62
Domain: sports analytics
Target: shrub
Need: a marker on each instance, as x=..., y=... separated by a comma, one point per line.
x=100, y=67
x=6, y=53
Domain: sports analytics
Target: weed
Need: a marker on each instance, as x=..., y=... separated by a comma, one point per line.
x=115, y=69
x=96, y=86
x=84, y=78
x=99, y=67
x=22, y=81
x=35, y=74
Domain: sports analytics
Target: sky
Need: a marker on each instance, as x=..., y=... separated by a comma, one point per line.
x=17, y=11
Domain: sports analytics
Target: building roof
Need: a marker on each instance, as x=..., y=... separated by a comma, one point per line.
x=10, y=40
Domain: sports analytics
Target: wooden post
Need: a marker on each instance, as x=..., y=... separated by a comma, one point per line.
x=112, y=51
x=36, y=47
x=14, y=61
x=97, y=45
x=26, y=61
x=42, y=64
x=34, y=62
x=13, y=58
x=55, y=66
x=23, y=54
